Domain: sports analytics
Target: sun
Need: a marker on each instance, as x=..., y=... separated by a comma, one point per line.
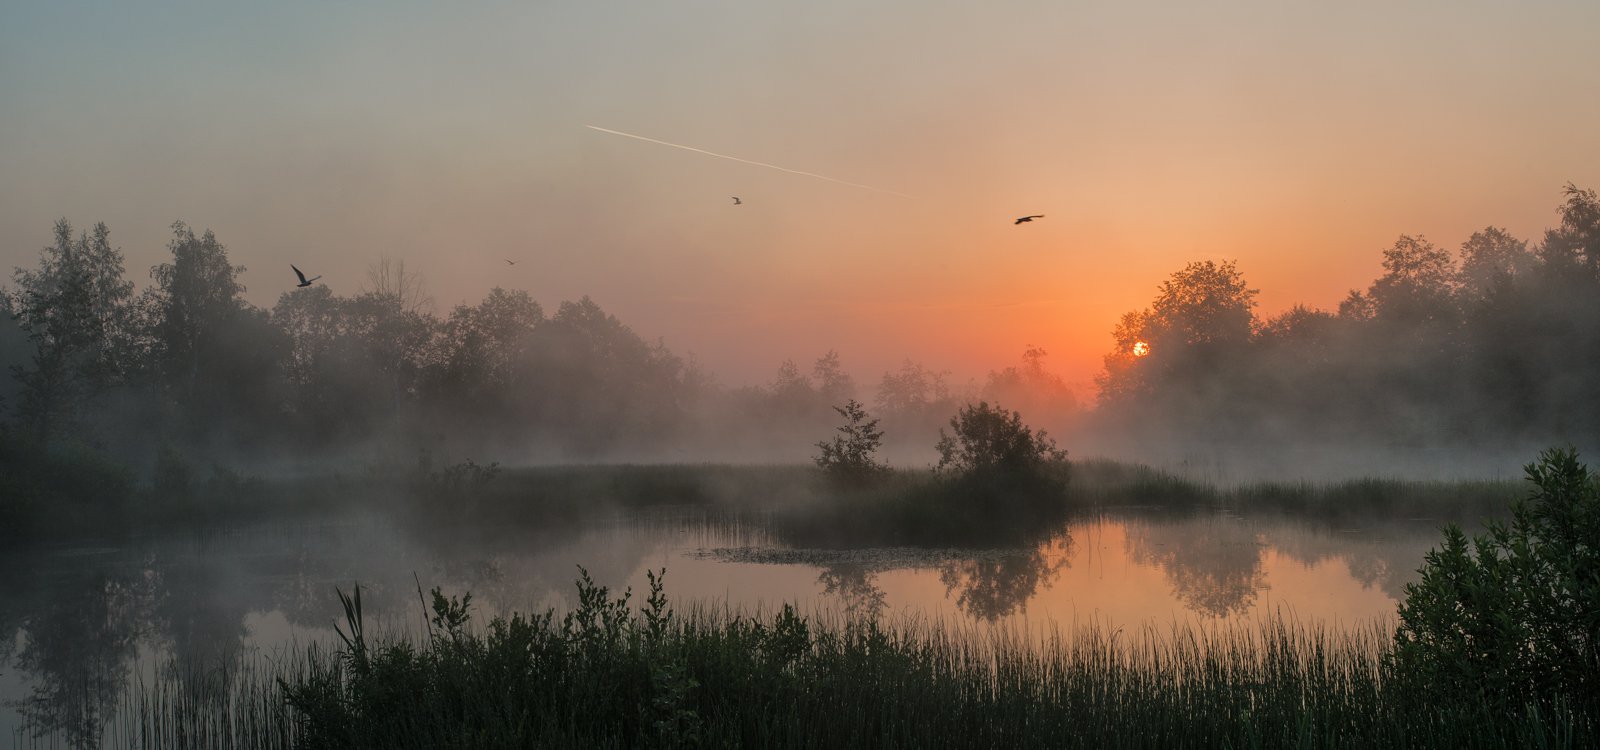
x=1140, y=349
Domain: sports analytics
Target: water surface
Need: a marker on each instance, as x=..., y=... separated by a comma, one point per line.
x=81, y=623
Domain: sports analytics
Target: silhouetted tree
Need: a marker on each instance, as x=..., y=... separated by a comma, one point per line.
x=1576, y=243
x=213, y=356
x=832, y=382
x=15, y=351
x=603, y=386
x=792, y=392
x=1357, y=307
x=354, y=366
x=988, y=439
x=1176, y=350
x=1487, y=256
x=475, y=352
x=1041, y=393
x=1418, y=283
x=389, y=279
x=73, y=309
x=850, y=456
x=913, y=390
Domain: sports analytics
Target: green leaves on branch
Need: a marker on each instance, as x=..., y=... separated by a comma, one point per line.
x=1513, y=616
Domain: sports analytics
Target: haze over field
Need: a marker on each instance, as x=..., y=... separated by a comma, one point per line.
x=1298, y=140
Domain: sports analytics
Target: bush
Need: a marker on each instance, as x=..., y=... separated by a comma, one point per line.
x=849, y=458
x=1514, y=617
x=989, y=439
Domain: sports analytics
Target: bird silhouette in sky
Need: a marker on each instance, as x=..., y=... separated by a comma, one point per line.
x=509, y=262
x=1027, y=218
x=304, y=282
x=737, y=202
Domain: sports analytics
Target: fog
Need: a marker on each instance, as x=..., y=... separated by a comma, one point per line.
x=1451, y=364
x=1301, y=284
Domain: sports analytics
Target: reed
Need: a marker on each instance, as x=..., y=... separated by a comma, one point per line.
x=612, y=674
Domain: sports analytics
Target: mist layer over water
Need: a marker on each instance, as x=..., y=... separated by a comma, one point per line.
x=90, y=621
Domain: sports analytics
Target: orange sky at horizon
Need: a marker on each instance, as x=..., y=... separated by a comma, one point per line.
x=1299, y=141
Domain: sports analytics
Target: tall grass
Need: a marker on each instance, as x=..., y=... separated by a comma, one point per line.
x=1103, y=482
x=609, y=674
x=239, y=708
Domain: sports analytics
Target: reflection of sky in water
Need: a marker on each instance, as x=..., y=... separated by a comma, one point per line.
x=83, y=620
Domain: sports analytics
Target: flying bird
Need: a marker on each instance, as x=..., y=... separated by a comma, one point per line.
x=304, y=282
x=737, y=202
x=509, y=262
x=1028, y=218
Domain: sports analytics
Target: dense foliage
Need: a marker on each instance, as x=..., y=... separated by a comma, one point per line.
x=1514, y=616
x=988, y=440
x=1498, y=342
x=607, y=675
x=1444, y=354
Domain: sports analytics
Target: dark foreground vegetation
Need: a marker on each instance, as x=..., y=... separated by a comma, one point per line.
x=1496, y=647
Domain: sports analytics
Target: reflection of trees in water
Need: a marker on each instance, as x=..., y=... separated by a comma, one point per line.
x=304, y=595
x=856, y=585
x=200, y=612
x=71, y=635
x=1389, y=576
x=1385, y=555
x=1375, y=571
x=996, y=585
x=1214, y=564
x=78, y=648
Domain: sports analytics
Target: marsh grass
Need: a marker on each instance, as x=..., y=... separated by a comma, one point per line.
x=1374, y=497
x=546, y=495
x=900, y=506
x=922, y=508
x=1100, y=482
x=239, y=708
x=613, y=674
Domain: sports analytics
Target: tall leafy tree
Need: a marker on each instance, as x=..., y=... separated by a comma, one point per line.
x=478, y=346
x=73, y=309
x=1201, y=318
x=606, y=386
x=197, y=295
x=834, y=385
x=212, y=355
x=1418, y=282
x=1576, y=243
x=1487, y=256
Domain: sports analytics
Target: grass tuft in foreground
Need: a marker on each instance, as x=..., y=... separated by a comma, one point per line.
x=609, y=674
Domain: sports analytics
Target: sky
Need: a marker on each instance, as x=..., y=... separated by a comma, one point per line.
x=1298, y=139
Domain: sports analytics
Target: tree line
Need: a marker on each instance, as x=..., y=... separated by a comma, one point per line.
x=187, y=362
x=1496, y=343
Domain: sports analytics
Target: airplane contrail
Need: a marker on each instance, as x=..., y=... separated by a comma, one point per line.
x=747, y=161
